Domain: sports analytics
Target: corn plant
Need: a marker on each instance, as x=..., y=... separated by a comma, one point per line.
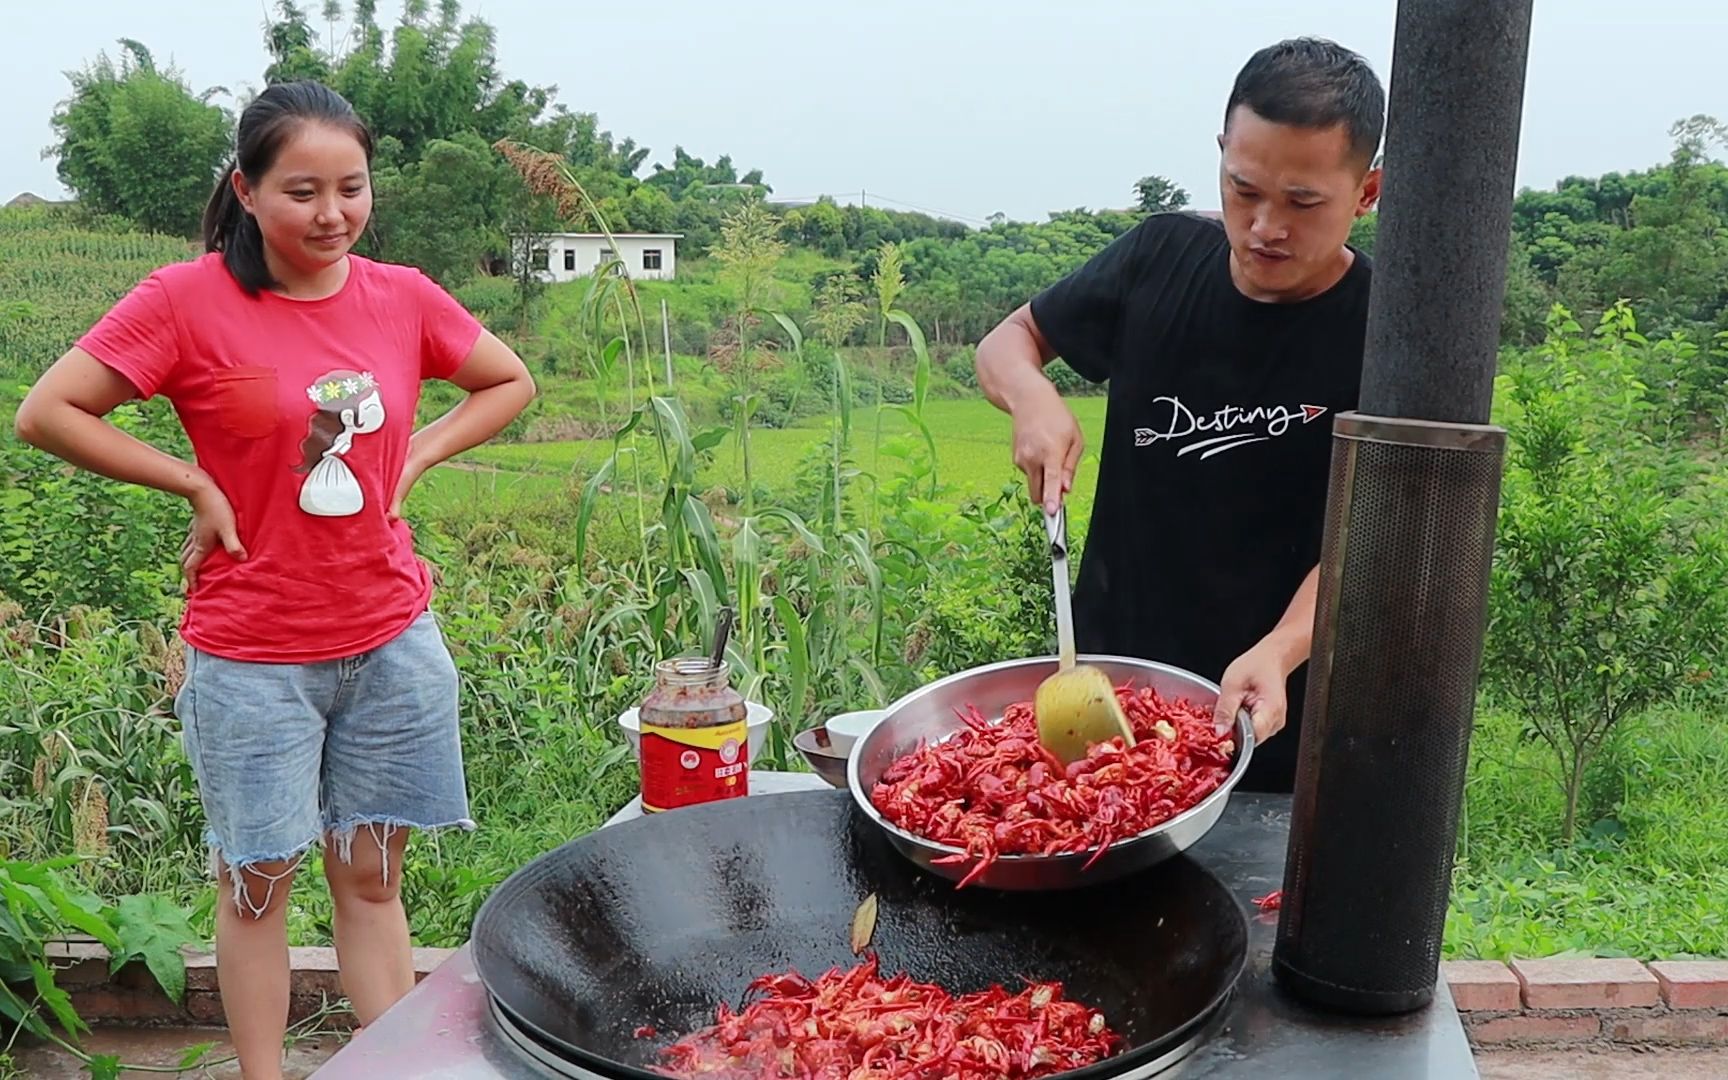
x=57, y=278
x=748, y=250
x=809, y=600
x=920, y=389
x=90, y=759
x=837, y=313
x=888, y=283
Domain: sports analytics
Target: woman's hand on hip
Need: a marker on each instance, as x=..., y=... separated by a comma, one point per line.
x=213, y=524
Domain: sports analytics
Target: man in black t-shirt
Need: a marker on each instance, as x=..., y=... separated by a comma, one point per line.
x=1228, y=348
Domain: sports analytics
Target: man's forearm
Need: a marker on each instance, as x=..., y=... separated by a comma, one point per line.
x=1293, y=637
x=1010, y=365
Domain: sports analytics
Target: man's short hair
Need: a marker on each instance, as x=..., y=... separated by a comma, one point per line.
x=1314, y=83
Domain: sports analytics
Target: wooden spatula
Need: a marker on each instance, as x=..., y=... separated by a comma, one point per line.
x=1077, y=706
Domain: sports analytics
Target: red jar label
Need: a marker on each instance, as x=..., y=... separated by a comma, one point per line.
x=685, y=766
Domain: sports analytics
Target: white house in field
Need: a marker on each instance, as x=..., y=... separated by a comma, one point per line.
x=568, y=256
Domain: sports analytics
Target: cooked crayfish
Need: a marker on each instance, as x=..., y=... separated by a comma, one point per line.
x=854, y=1024
x=993, y=790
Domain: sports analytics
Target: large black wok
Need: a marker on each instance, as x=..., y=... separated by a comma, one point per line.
x=654, y=921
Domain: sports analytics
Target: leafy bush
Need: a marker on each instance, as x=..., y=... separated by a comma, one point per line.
x=69, y=537
x=1605, y=596
x=39, y=906
x=962, y=367
x=492, y=300
x=1069, y=381
x=977, y=581
x=1688, y=384
x=1643, y=878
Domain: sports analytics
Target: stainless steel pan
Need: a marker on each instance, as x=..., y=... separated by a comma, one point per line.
x=932, y=713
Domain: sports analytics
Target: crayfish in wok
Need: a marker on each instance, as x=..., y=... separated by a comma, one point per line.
x=854, y=1024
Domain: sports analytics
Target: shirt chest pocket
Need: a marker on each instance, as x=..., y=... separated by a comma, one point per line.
x=244, y=401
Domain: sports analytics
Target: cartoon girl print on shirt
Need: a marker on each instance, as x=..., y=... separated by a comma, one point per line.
x=348, y=405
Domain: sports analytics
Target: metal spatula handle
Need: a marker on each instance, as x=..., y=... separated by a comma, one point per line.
x=1057, y=526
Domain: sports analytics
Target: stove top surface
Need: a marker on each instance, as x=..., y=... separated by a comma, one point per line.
x=445, y=1028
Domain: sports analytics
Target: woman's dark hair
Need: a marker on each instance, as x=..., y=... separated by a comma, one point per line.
x=265, y=126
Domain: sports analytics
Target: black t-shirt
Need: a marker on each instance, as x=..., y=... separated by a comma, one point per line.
x=1217, y=449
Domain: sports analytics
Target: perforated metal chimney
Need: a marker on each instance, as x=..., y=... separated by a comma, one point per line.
x=1409, y=529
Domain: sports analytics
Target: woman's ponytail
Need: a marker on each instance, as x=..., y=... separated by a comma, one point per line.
x=228, y=228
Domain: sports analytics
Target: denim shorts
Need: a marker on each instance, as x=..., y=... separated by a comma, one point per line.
x=287, y=753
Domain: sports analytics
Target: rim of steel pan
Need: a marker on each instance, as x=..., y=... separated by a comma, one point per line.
x=1244, y=753
x=496, y=913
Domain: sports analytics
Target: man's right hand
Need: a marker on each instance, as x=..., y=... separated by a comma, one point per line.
x=1047, y=446
x=1047, y=439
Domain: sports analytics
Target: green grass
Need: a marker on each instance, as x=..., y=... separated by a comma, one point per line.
x=974, y=451
x=1647, y=877
x=699, y=294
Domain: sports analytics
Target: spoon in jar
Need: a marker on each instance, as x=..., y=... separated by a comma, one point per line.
x=722, y=630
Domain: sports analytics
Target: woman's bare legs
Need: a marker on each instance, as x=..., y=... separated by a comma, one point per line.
x=371, y=928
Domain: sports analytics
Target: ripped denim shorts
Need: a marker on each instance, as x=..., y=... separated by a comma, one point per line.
x=286, y=754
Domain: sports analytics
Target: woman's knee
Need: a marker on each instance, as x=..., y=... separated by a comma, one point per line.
x=259, y=889
x=364, y=863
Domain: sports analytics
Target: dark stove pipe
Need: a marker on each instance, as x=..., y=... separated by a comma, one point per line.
x=1440, y=248
x=1409, y=530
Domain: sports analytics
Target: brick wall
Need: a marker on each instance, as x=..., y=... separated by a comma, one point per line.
x=1569, y=1002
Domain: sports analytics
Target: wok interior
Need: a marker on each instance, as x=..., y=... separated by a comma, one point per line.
x=653, y=922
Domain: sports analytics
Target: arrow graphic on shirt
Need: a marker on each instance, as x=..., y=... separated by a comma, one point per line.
x=1221, y=443
x=1312, y=412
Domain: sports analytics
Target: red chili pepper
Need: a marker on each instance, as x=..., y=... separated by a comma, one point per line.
x=856, y=1025
x=993, y=790
x=646, y=1031
x=1272, y=901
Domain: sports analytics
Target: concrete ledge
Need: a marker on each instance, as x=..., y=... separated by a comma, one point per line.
x=131, y=996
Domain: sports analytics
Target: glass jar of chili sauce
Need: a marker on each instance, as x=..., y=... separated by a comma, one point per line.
x=695, y=736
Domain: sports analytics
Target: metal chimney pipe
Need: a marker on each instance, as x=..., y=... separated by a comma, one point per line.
x=1409, y=530
x=1440, y=250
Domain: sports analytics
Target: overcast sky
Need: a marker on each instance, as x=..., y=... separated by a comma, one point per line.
x=967, y=107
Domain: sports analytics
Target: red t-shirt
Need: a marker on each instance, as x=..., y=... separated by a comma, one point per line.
x=300, y=410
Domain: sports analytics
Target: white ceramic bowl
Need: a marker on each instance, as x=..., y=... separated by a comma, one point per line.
x=757, y=721
x=846, y=729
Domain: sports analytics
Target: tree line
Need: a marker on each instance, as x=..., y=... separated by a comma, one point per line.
x=134, y=141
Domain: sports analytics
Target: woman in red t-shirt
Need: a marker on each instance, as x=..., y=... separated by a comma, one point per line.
x=320, y=701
